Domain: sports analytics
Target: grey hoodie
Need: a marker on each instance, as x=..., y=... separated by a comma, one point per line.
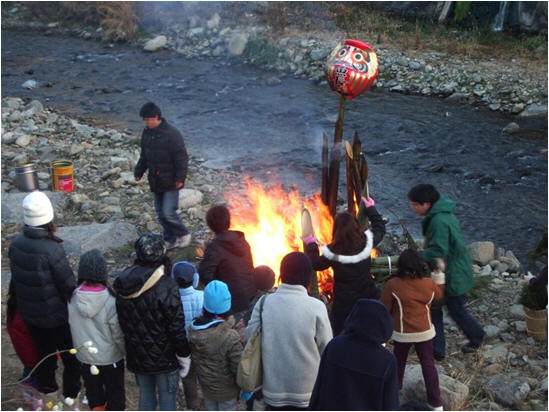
x=92, y=316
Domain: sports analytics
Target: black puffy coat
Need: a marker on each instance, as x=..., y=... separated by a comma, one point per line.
x=41, y=278
x=228, y=258
x=352, y=279
x=163, y=152
x=153, y=322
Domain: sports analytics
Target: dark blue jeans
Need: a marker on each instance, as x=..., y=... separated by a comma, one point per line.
x=166, y=384
x=165, y=205
x=456, y=309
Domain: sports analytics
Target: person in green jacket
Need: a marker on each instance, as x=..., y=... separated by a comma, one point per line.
x=444, y=246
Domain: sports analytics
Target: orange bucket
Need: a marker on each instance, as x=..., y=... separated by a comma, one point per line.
x=62, y=172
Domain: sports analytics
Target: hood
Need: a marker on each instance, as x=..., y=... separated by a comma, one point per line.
x=89, y=303
x=208, y=341
x=369, y=320
x=234, y=242
x=350, y=259
x=132, y=279
x=442, y=205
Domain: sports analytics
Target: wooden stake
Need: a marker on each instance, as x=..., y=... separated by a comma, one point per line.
x=335, y=158
x=324, y=194
x=350, y=185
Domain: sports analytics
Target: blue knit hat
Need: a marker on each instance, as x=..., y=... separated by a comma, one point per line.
x=217, y=298
x=186, y=271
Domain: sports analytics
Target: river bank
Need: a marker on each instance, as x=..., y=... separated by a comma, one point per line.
x=517, y=86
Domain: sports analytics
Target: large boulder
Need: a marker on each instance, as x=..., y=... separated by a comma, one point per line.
x=102, y=236
x=534, y=111
x=453, y=392
x=481, y=252
x=507, y=390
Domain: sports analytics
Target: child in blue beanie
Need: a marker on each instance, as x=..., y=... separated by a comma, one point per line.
x=187, y=278
x=216, y=349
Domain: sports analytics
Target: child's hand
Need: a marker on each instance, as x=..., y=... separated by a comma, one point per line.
x=185, y=363
x=368, y=202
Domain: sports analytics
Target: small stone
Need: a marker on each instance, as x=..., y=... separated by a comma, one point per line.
x=155, y=44
x=23, y=140
x=511, y=128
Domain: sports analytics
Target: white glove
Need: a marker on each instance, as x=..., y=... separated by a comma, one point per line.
x=185, y=363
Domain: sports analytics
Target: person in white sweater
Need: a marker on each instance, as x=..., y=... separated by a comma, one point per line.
x=295, y=331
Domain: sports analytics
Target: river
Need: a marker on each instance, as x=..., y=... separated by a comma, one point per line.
x=230, y=117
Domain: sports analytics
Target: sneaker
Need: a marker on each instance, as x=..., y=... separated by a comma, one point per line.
x=469, y=348
x=436, y=408
x=183, y=241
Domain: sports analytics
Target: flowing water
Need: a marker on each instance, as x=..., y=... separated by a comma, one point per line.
x=230, y=117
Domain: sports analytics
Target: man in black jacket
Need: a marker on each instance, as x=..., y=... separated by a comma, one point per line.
x=164, y=154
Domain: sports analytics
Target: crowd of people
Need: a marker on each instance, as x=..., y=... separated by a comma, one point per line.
x=156, y=321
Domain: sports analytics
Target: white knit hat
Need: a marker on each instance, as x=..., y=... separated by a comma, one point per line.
x=37, y=209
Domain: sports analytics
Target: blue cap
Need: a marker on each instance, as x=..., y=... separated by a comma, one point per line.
x=217, y=298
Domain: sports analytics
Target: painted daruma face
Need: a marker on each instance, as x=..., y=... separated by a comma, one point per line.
x=351, y=68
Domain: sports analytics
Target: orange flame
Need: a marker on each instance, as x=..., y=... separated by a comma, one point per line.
x=271, y=220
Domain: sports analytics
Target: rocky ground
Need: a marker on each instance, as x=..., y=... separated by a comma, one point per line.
x=108, y=209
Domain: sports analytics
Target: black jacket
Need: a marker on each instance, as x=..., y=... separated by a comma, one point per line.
x=228, y=258
x=163, y=152
x=41, y=278
x=352, y=279
x=153, y=322
x=356, y=372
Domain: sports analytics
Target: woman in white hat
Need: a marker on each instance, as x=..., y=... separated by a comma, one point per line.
x=42, y=281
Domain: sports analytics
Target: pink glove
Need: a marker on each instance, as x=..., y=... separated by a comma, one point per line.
x=368, y=202
x=309, y=239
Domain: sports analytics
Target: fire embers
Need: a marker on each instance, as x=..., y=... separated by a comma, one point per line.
x=351, y=68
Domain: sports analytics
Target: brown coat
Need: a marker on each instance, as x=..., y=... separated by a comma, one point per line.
x=409, y=302
x=216, y=352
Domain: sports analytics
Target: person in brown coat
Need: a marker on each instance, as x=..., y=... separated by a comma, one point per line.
x=408, y=297
x=216, y=349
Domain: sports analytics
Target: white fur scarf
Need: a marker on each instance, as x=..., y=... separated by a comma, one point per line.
x=363, y=255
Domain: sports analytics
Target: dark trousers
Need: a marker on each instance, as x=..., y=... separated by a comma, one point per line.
x=338, y=321
x=424, y=352
x=166, y=205
x=466, y=322
x=48, y=340
x=107, y=388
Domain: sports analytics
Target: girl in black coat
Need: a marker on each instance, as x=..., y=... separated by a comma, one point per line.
x=349, y=256
x=42, y=281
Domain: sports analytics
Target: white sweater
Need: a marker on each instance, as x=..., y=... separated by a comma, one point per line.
x=296, y=329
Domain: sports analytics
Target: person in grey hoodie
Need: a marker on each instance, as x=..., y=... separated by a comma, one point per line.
x=93, y=318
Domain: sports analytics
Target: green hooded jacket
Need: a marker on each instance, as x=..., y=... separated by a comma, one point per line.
x=443, y=240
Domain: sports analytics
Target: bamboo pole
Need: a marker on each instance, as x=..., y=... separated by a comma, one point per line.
x=325, y=176
x=350, y=185
x=335, y=158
